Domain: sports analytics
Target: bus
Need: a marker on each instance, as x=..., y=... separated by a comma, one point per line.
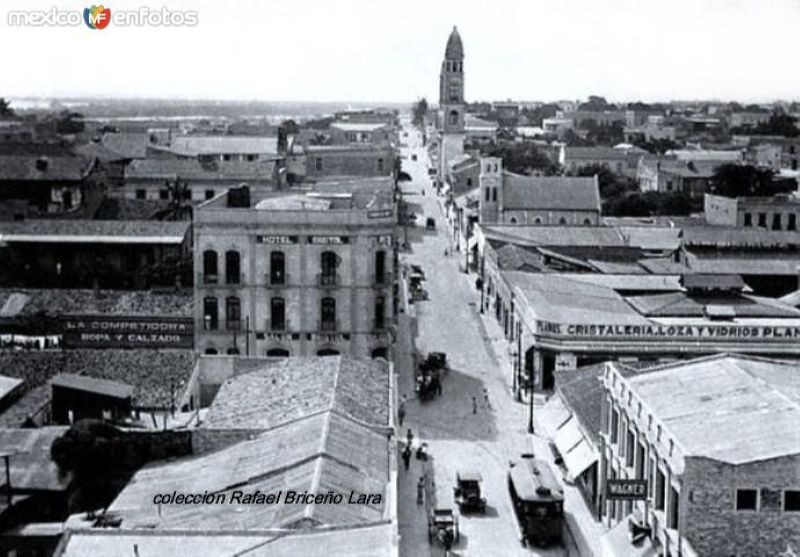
x=538, y=501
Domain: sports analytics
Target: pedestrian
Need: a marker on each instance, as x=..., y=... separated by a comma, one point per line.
x=438, y=388
x=448, y=542
x=420, y=490
x=486, y=398
x=407, y=456
x=445, y=252
x=410, y=438
x=401, y=413
x=474, y=405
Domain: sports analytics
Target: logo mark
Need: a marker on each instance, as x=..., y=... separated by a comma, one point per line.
x=97, y=17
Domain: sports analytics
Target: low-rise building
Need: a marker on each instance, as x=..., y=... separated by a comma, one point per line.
x=701, y=457
x=620, y=160
x=779, y=212
x=665, y=175
x=309, y=162
x=361, y=132
x=295, y=275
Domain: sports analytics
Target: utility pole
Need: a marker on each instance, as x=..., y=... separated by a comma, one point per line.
x=530, y=402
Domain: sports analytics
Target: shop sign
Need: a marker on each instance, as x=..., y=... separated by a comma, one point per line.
x=626, y=489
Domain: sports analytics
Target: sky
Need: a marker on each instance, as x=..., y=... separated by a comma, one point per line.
x=379, y=50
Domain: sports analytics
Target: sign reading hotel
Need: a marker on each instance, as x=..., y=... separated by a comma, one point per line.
x=328, y=240
x=277, y=240
x=656, y=331
x=100, y=331
x=626, y=489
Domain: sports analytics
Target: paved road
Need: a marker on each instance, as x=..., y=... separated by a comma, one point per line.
x=457, y=437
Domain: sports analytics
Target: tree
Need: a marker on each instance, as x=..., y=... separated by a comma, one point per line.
x=6, y=112
x=611, y=185
x=69, y=122
x=418, y=112
x=736, y=180
x=657, y=146
x=779, y=123
x=524, y=158
x=595, y=103
x=290, y=126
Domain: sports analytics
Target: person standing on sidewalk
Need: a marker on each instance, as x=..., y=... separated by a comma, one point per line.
x=474, y=405
x=401, y=410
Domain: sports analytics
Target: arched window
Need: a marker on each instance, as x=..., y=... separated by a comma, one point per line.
x=328, y=262
x=233, y=271
x=488, y=193
x=562, y=220
x=587, y=222
x=210, y=314
x=513, y=220
x=211, y=351
x=327, y=352
x=494, y=194
x=210, y=267
x=380, y=352
x=380, y=310
x=537, y=220
x=233, y=313
x=277, y=267
x=278, y=353
x=454, y=117
x=232, y=351
x=277, y=312
x=328, y=314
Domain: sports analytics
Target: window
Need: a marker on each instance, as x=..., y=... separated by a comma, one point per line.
x=318, y=164
x=660, y=485
x=380, y=308
x=791, y=501
x=640, y=452
x=494, y=194
x=328, y=265
x=469, y=182
x=537, y=220
x=380, y=165
x=762, y=220
x=210, y=267
x=141, y=194
x=251, y=158
x=233, y=272
x=380, y=267
x=277, y=312
x=513, y=220
x=746, y=499
x=792, y=224
x=630, y=449
x=328, y=314
x=748, y=219
x=210, y=314
x=454, y=117
x=587, y=222
x=233, y=313
x=776, y=221
x=163, y=194
x=455, y=96
x=674, y=505
x=277, y=267
x=211, y=351
x=614, y=425
x=562, y=220
x=226, y=157
x=488, y=193
x=209, y=194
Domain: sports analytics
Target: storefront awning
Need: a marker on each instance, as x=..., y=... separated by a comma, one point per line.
x=552, y=415
x=576, y=450
x=617, y=543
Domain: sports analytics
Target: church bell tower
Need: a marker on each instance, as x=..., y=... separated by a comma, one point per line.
x=451, y=104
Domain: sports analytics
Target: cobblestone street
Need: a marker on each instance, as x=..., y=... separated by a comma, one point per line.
x=457, y=437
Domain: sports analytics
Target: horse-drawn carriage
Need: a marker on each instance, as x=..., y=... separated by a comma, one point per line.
x=429, y=375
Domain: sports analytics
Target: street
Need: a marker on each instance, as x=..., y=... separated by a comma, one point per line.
x=484, y=437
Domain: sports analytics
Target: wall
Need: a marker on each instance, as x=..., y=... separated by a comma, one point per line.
x=719, y=210
x=713, y=526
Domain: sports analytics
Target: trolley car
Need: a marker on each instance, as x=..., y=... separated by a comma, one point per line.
x=538, y=501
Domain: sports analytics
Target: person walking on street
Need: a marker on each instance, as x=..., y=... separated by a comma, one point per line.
x=407, y=456
x=410, y=438
x=401, y=411
x=486, y=398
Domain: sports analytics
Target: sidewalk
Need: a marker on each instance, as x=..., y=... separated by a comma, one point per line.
x=584, y=529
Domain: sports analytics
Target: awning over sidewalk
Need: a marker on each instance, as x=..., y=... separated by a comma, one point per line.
x=617, y=543
x=552, y=415
x=576, y=450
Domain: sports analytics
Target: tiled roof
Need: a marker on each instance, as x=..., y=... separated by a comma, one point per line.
x=104, y=387
x=594, y=153
x=94, y=231
x=297, y=387
x=131, y=145
x=681, y=304
x=20, y=302
x=517, y=258
x=194, y=145
x=556, y=235
x=731, y=236
x=192, y=169
x=359, y=126
x=152, y=373
x=319, y=453
x=94, y=150
x=20, y=168
x=550, y=193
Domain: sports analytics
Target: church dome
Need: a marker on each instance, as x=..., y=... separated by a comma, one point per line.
x=454, y=50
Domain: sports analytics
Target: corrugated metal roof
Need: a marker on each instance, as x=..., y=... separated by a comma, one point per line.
x=104, y=387
x=557, y=193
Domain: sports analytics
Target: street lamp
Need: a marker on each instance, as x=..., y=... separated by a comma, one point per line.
x=530, y=400
x=518, y=374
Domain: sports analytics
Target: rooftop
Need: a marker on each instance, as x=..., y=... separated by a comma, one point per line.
x=31, y=466
x=359, y=126
x=131, y=145
x=297, y=387
x=735, y=237
x=104, y=387
x=594, y=153
x=26, y=168
x=94, y=231
x=729, y=408
x=319, y=453
x=24, y=302
x=192, y=169
x=590, y=236
x=560, y=193
x=194, y=145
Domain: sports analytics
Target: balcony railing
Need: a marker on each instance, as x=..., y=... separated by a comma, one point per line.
x=277, y=279
x=329, y=325
x=210, y=279
x=328, y=279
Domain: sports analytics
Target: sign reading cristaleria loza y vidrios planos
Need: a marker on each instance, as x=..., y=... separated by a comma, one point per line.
x=100, y=331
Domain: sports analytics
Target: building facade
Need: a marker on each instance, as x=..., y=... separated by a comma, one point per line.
x=711, y=443
x=296, y=275
x=779, y=212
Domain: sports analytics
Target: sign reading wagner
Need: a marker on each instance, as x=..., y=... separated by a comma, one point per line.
x=626, y=489
x=102, y=331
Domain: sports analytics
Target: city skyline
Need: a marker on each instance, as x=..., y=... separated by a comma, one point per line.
x=570, y=50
